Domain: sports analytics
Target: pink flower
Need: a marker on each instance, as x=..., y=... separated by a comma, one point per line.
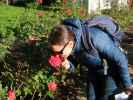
x=40, y=14
x=52, y=86
x=64, y=1
x=55, y=61
x=11, y=94
x=82, y=12
x=74, y=1
x=68, y=11
x=39, y=1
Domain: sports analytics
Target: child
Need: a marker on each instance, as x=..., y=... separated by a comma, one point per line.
x=90, y=46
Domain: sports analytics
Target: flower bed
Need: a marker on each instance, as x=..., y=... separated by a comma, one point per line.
x=25, y=71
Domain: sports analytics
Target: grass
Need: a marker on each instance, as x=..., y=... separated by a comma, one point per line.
x=10, y=15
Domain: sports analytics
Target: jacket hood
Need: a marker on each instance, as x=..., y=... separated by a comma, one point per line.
x=75, y=25
x=72, y=22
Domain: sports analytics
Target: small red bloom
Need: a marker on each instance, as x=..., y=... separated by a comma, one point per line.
x=11, y=94
x=32, y=40
x=55, y=61
x=74, y=1
x=68, y=11
x=64, y=1
x=52, y=86
x=40, y=14
x=82, y=12
x=39, y=1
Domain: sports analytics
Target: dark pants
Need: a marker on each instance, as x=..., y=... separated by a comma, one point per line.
x=100, y=86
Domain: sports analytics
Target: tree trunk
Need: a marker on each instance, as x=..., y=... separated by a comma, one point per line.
x=7, y=2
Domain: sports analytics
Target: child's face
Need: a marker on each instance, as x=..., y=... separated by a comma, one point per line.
x=65, y=49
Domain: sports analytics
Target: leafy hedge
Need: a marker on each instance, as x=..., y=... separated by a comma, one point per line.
x=24, y=67
x=24, y=52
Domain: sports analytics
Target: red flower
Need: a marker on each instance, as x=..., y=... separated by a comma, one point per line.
x=64, y=1
x=68, y=11
x=82, y=12
x=74, y=1
x=39, y=1
x=52, y=86
x=40, y=14
x=11, y=94
x=55, y=61
x=32, y=40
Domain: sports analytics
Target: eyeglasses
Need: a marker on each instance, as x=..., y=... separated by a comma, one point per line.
x=61, y=51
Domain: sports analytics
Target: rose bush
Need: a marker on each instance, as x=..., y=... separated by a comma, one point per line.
x=24, y=54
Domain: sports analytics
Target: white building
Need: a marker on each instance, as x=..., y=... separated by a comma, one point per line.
x=96, y=6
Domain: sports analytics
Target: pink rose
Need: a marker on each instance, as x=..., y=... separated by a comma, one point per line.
x=55, y=61
x=52, y=86
x=39, y=1
x=64, y=1
x=68, y=11
x=11, y=94
x=74, y=1
x=40, y=14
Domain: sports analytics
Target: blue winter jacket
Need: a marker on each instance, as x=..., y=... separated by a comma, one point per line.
x=102, y=46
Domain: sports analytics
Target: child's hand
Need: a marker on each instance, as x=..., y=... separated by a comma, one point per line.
x=129, y=90
x=66, y=64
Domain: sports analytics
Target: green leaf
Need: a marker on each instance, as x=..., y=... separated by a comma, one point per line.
x=50, y=94
x=27, y=91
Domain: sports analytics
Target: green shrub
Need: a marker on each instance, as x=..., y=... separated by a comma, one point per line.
x=24, y=52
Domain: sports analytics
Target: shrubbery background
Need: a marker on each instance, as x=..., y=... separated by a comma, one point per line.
x=23, y=46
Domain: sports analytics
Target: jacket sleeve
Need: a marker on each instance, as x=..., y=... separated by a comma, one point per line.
x=110, y=51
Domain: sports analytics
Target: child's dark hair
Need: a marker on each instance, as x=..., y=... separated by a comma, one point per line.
x=60, y=34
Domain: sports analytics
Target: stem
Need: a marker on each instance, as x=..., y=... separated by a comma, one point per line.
x=19, y=86
x=24, y=97
x=44, y=97
x=21, y=98
x=40, y=97
x=33, y=95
